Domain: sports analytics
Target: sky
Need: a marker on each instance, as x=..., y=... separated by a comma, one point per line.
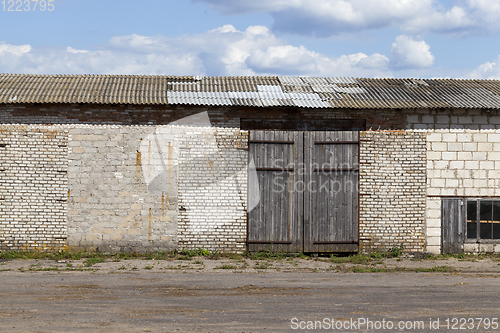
x=325, y=38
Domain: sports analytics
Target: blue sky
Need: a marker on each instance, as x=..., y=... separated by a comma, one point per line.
x=359, y=38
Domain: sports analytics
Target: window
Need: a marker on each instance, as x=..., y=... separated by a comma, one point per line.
x=483, y=219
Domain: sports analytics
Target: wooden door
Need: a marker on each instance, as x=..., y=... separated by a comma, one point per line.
x=453, y=214
x=305, y=189
x=276, y=221
x=331, y=199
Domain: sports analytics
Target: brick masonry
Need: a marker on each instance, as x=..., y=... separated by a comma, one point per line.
x=454, y=119
x=120, y=188
x=139, y=179
x=392, y=190
x=166, y=114
x=33, y=188
x=463, y=160
x=122, y=184
x=213, y=189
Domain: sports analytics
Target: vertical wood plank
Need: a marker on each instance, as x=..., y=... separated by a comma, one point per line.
x=299, y=201
x=307, y=209
x=453, y=214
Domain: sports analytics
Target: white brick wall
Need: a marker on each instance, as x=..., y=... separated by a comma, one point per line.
x=433, y=225
x=115, y=188
x=392, y=190
x=162, y=187
x=463, y=160
x=212, y=189
x=123, y=188
x=33, y=188
x=471, y=172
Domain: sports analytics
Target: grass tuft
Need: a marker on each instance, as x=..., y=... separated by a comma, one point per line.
x=226, y=267
x=262, y=265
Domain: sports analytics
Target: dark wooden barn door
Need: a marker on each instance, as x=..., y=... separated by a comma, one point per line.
x=331, y=199
x=453, y=212
x=305, y=187
x=276, y=222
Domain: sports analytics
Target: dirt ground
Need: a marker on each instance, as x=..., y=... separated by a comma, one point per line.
x=247, y=295
x=405, y=263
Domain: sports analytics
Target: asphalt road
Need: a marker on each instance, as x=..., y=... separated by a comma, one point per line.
x=224, y=301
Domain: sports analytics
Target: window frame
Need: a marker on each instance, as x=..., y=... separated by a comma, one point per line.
x=478, y=238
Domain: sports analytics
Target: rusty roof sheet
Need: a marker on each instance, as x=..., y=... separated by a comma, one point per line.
x=253, y=91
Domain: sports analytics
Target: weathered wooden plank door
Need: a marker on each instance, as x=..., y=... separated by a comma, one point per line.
x=305, y=191
x=453, y=214
x=276, y=221
x=331, y=199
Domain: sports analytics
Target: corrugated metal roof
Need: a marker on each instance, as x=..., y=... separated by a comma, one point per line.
x=253, y=91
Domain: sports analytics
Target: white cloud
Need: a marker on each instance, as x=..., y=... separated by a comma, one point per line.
x=57, y=60
x=333, y=17
x=222, y=51
x=408, y=53
x=456, y=20
x=12, y=55
x=72, y=50
x=488, y=70
x=291, y=60
x=486, y=12
x=16, y=50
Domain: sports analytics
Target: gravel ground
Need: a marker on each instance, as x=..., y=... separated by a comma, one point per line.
x=246, y=295
x=245, y=265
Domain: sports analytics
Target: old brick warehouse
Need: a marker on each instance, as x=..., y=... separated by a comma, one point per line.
x=147, y=163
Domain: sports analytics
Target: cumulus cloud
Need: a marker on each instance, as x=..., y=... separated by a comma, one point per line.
x=488, y=70
x=455, y=21
x=72, y=50
x=291, y=60
x=59, y=60
x=222, y=51
x=486, y=12
x=16, y=50
x=408, y=53
x=332, y=17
